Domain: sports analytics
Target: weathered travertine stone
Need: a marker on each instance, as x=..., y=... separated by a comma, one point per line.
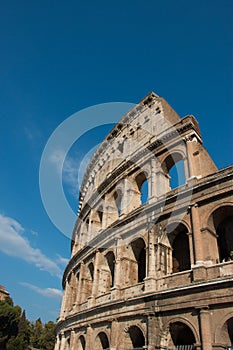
x=156, y=272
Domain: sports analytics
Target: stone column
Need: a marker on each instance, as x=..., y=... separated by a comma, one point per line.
x=130, y=198
x=114, y=335
x=189, y=157
x=151, y=252
x=197, y=236
x=89, y=340
x=110, y=213
x=67, y=299
x=153, y=331
x=162, y=181
x=152, y=195
x=118, y=283
x=62, y=313
x=57, y=344
x=73, y=290
x=72, y=340
x=193, y=162
x=63, y=342
x=79, y=289
x=96, y=274
x=205, y=327
x=150, y=281
x=190, y=236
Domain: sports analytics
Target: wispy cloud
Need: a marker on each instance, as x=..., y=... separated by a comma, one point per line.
x=32, y=132
x=12, y=243
x=68, y=167
x=46, y=292
x=34, y=233
x=72, y=169
x=61, y=260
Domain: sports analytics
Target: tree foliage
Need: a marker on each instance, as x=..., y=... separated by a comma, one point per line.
x=9, y=320
x=17, y=333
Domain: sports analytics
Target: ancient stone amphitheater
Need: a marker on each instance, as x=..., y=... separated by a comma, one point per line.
x=152, y=248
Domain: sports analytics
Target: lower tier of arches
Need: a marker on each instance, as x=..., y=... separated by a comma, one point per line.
x=199, y=328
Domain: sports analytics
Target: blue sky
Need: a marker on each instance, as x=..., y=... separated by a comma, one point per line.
x=58, y=57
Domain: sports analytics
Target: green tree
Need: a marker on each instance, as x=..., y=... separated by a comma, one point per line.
x=21, y=341
x=9, y=319
x=36, y=334
x=48, y=336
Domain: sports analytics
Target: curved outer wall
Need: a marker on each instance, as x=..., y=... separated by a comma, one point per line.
x=154, y=272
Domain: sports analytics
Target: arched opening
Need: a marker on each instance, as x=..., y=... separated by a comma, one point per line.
x=101, y=342
x=225, y=239
x=230, y=330
x=77, y=275
x=138, y=247
x=182, y=335
x=91, y=271
x=174, y=170
x=226, y=335
x=87, y=231
x=118, y=201
x=110, y=257
x=144, y=192
x=142, y=185
x=81, y=343
x=177, y=174
x=137, y=338
x=180, y=248
x=221, y=222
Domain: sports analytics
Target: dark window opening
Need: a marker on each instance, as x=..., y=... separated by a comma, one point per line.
x=181, y=334
x=111, y=264
x=81, y=343
x=181, y=253
x=103, y=339
x=137, y=337
x=225, y=239
x=139, y=251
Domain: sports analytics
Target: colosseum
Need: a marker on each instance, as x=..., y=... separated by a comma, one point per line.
x=152, y=247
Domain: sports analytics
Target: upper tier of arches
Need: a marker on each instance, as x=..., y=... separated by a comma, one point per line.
x=149, y=153
x=151, y=138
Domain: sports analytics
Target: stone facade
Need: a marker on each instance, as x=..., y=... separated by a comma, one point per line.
x=3, y=293
x=151, y=264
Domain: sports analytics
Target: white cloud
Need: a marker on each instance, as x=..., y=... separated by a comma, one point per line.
x=46, y=292
x=12, y=243
x=61, y=260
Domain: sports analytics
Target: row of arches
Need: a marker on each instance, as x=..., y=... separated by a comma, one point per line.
x=135, y=340
x=179, y=336
x=173, y=254
x=104, y=271
x=136, y=190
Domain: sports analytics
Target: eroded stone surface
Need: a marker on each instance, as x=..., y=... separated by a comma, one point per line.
x=152, y=273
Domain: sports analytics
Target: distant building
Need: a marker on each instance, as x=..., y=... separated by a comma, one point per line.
x=152, y=258
x=3, y=293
